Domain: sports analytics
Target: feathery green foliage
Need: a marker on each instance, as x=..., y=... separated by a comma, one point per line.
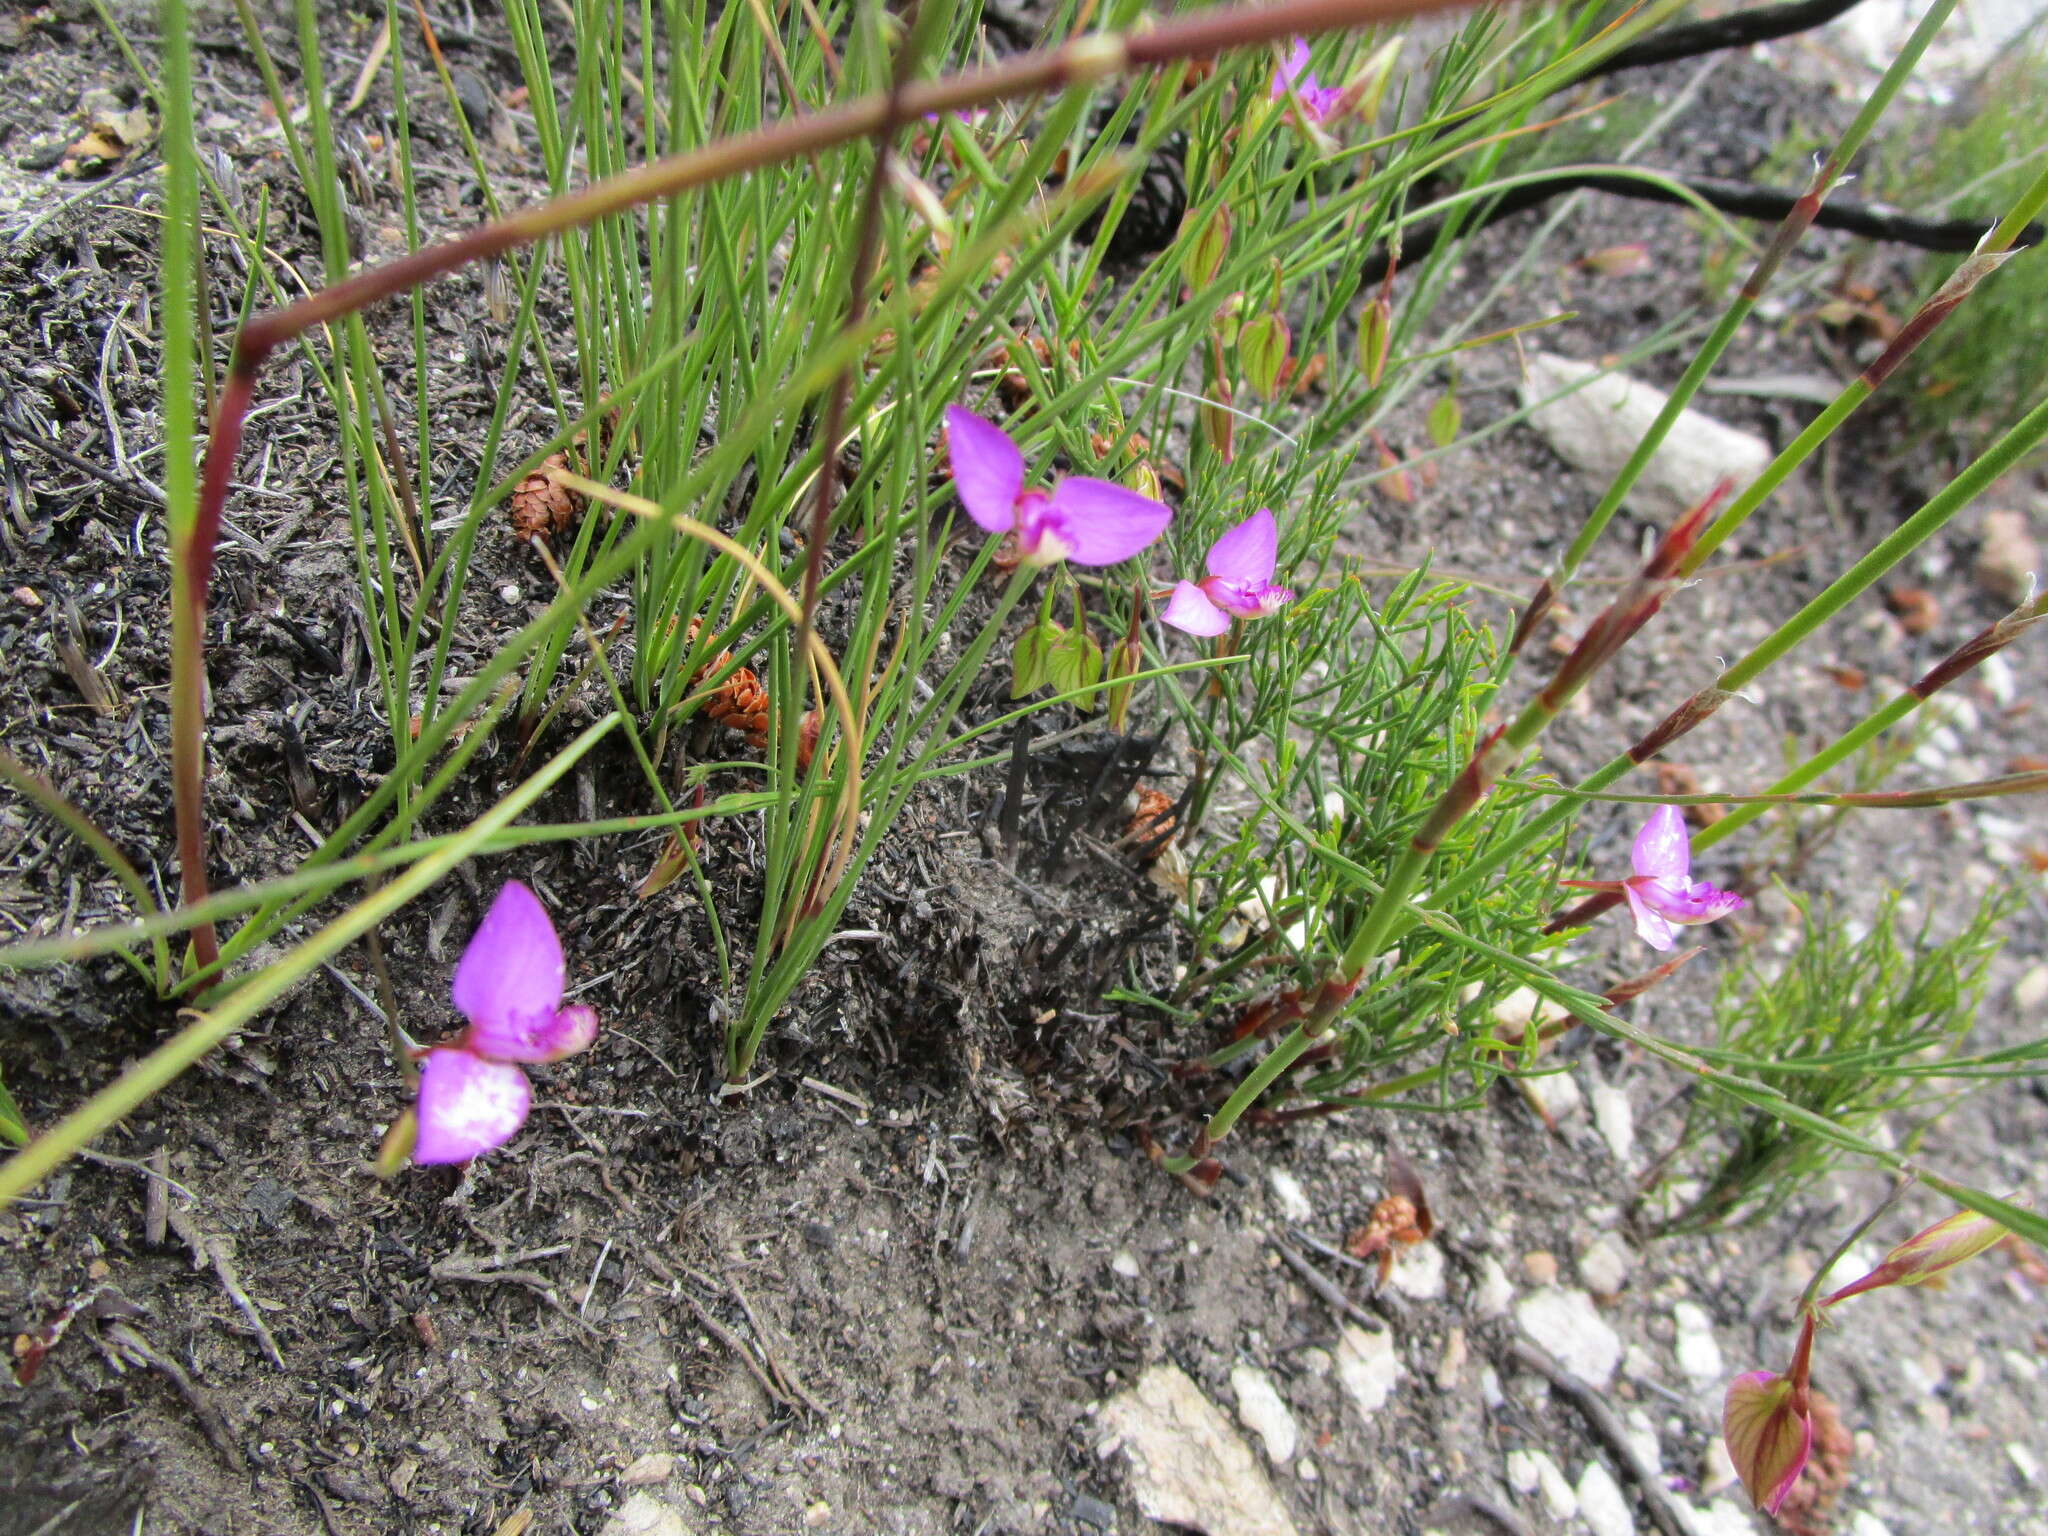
x=1863, y=1029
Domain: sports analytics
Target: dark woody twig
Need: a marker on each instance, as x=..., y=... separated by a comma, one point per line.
x=1759, y=24
x=1732, y=197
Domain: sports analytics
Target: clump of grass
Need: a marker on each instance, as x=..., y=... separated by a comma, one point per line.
x=1859, y=1030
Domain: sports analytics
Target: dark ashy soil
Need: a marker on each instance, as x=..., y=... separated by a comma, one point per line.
x=891, y=1287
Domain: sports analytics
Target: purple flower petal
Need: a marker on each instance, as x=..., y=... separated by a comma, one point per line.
x=1290, y=68
x=1651, y=927
x=572, y=1030
x=1320, y=102
x=1663, y=848
x=467, y=1105
x=988, y=470
x=508, y=983
x=1099, y=523
x=1248, y=552
x=1687, y=901
x=1190, y=609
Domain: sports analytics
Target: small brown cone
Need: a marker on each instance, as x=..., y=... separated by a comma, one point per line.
x=541, y=508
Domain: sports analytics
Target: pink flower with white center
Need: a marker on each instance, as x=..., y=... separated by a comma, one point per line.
x=1087, y=521
x=1318, y=101
x=1239, y=583
x=508, y=984
x=1662, y=894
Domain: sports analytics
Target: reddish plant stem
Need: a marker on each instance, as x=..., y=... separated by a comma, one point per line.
x=1800, y=1372
x=1930, y=314
x=1613, y=628
x=1540, y=603
x=1792, y=228
x=1636, y=606
x=188, y=649
x=865, y=254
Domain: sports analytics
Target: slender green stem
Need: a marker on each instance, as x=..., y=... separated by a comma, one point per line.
x=207, y=1029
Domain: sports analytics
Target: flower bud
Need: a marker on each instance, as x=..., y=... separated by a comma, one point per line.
x=1263, y=343
x=1030, y=663
x=1927, y=1257
x=1126, y=659
x=1217, y=421
x=1203, y=257
x=1375, y=333
x=1073, y=660
x=396, y=1148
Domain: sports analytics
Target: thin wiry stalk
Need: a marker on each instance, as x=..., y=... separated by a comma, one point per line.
x=2029, y=781
x=1787, y=235
x=866, y=247
x=1977, y=478
x=1993, y=252
x=1959, y=663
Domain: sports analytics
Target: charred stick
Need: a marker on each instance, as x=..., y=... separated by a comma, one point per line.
x=1692, y=39
x=1731, y=197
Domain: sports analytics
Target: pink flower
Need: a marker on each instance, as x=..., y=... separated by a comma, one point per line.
x=1318, y=101
x=508, y=984
x=1662, y=892
x=1239, y=583
x=1087, y=521
x=1768, y=1434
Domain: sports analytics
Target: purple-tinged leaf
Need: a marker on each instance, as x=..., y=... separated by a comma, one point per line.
x=1768, y=1439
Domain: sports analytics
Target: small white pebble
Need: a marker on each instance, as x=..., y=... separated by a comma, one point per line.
x=1699, y=1353
x=1602, y=1505
x=1290, y=1196
x=2026, y=1461
x=1495, y=1292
